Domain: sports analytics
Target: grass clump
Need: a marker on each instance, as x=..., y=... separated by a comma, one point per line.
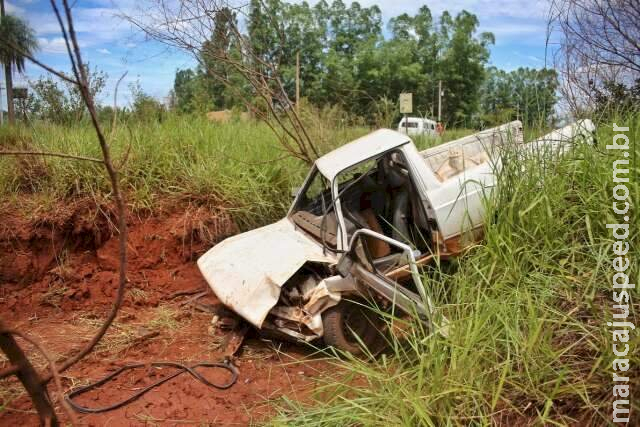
x=528, y=308
x=238, y=164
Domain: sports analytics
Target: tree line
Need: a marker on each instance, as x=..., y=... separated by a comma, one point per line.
x=346, y=58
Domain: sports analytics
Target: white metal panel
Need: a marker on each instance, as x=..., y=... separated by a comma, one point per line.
x=359, y=150
x=457, y=202
x=247, y=271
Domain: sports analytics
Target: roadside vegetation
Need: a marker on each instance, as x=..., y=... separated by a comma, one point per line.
x=528, y=339
x=239, y=164
x=527, y=307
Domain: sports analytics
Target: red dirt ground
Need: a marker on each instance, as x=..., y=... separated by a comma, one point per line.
x=58, y=279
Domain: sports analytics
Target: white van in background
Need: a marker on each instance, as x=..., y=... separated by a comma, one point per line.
x=417, y=126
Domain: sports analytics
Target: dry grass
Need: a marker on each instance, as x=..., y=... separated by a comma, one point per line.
x=162, y=321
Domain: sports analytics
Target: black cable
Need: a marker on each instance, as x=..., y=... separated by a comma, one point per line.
x=181, y=369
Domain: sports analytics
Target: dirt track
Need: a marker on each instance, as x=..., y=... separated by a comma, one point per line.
x=58, y=278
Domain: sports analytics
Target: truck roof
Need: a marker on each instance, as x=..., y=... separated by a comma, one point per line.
x=360, y=150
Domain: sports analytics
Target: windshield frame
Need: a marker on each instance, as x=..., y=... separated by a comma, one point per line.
x=342, y=238
x=305, y=187
x=311, y=176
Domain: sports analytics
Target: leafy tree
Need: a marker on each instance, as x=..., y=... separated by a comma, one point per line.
x=48, y=101
x=264, y=30
x=526, y=94
x=60, y=101
x=184, y=90
x=216, y=74
x=345, y=60
x=144, y=107
x=460, y=65
x=17, y=40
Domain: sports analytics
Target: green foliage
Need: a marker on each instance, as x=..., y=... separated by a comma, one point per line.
x=526, y=94
x=527, y=342
x=462, y=65
x=345, y=59
x=238, y=164
x=144, y=107
x=17, y=38
x=185, y=89
x=615, y=98
x=56, y=101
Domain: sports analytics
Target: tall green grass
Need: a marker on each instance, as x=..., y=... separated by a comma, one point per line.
x=528, y=307
x=239, y=164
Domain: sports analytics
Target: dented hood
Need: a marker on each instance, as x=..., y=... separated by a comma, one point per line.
x=247, y=271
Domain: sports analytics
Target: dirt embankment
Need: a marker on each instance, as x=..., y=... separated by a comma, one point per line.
x=67, y=257
x=58, y=278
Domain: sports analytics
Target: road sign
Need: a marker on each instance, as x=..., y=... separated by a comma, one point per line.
x=406, y=103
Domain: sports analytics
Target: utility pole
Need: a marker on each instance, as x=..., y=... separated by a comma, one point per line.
x=439, y=101
x=298, y=81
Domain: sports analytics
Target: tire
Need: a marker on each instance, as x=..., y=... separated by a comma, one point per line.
x=347, y=318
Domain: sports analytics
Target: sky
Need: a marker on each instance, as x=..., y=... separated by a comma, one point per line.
x=111, y=45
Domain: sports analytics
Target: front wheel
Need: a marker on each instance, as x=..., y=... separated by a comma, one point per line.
x=349, y=324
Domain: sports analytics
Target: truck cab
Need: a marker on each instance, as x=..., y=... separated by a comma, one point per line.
x=368, y=215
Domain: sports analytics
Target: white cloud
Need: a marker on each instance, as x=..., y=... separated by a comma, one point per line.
x=53, y=45
x=13, y=9
x=482, y=8
x=532, y=58
x=115, y=47
x=510, y=30
x=93, y=25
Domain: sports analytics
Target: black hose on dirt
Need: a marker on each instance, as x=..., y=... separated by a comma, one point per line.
x=226, y=365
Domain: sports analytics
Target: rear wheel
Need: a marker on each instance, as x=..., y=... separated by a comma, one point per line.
x=349, y=324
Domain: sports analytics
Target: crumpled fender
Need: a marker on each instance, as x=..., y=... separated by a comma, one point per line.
x=247, y=271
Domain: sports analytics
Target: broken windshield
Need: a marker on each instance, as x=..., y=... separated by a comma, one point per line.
x=313, y=211
x=314, y=194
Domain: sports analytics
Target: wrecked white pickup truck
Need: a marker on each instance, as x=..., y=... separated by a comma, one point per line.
x=369, y=214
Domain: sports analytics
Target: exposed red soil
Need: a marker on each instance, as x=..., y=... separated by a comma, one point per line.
x=58, y=279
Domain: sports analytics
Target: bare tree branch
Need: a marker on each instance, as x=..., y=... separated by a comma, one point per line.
x=188, y=25
x=600, y=44
x=49, y=154
x=81, y=80
x=29, y=378
x=52, y=366
x=60, y=74
x=115, y=104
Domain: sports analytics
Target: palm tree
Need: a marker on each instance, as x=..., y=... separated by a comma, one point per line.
x=17, y=39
